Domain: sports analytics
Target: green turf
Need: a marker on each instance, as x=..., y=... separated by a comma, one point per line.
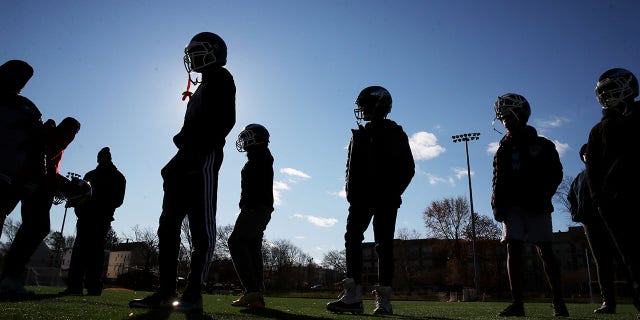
x=113, y=305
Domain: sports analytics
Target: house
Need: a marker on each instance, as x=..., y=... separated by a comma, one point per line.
x=124, y=257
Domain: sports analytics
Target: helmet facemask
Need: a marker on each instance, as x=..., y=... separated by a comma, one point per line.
x=250, y=138
x=511, y=104
x=198, y=55
x=615, y=92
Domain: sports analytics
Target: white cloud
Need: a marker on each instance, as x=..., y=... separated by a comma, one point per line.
x=295, y=173
x=551, y=122
x=492, y=148
x=342, y=193
x=561, y=147
x=424, y=146
x=277, y=194
x=317, y=221
x=461, y=173
x=435, y=180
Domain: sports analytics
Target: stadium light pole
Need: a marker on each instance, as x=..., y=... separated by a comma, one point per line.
x=466, y=137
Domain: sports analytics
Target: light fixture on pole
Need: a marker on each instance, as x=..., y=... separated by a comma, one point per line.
x=466, y=137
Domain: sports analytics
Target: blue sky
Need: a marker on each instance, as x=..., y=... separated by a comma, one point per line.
x=117, y=67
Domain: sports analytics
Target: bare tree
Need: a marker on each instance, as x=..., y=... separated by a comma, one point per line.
x=57, y=242
x=186, y=244
x=406, y=234
x=286, y=264
x=486, y=229
x=336, y=260
x=446, y=219
x=111, y=239
x=222, y=242
x=10, y=229
x=149, y=237
x=560, y=197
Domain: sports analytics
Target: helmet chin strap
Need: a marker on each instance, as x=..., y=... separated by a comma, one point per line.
x=187, y=93
x=493, y=124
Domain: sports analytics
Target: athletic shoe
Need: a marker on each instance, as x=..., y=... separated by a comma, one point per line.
x=606, y=309
x=154, y=301
x=11, y=287
x=188, y=304
x=560, y=309
x=515, y=309
x=350, y=300
x=253, y=300
x=383, y=303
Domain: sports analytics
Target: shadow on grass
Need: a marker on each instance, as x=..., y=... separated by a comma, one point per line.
x=278, y=314
x=163, y=314
x=27, y=297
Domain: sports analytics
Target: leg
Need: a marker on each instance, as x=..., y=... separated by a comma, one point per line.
x=350, y=299
x=357, y=222
x=603, y=251
x=34, y=228
x=384, y=227
x=169, y=242
x=77, y=263
x=552, y=273
x=95, y=258
x=245, y=247
x=515, y=269
x=202, y=222
x=623, y=235
x=8, y=201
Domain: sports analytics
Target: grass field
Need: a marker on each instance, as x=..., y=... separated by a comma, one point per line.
x=113, y=305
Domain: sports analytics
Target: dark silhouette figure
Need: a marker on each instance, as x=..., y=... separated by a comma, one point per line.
x=22, y=173
x=95, y=215
x=600, y=243
x=380, y=167
x=256, y=206
x=526, y=173
x=191, y=176
x=612, y=167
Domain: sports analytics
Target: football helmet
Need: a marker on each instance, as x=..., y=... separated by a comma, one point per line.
x=252, y=135
x=205, y=49
x=373, y=103
x=512, y=103
x=74, y=191
x=616, y=86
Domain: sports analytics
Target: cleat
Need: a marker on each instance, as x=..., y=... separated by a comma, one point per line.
x=188, y=305
x=560, y=309
x=252, y=300
x=515, y=309
x=606, y=309
x=383, y=303
x=350, y=300
x=154, y=301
